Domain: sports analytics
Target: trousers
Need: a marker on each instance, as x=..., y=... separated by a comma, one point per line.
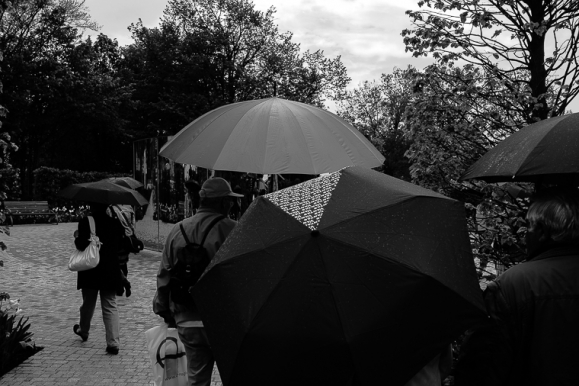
x=109, y=310
x=200, y=359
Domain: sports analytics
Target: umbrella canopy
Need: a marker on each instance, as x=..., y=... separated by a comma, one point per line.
x=127, y=182
x=354, y=278
x=104, y=192
x=271, y=136
x=544, y=152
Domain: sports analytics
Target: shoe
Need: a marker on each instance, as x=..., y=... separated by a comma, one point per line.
x=84, y=336
x=112, y=350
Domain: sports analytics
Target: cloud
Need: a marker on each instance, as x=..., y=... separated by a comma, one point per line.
x=365, y=33
x=115, y=16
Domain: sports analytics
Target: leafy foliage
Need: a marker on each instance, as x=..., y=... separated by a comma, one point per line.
x=62, y=92
x=378, y=110
x=207, y=53
x=457, y=114
x=15, y=341
x=49, y=181
x=529, y=46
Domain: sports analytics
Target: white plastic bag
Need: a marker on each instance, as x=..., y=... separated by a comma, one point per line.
x=90, y=257
x=167, y=355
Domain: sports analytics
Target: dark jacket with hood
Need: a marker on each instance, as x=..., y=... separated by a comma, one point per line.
x=106, y=275
x=532, y=335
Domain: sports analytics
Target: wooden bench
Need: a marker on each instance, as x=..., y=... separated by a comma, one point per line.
x=29, y=208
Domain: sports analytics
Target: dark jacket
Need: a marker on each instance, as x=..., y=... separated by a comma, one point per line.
x=195, y=227
x=532, y=335
x=106, y=275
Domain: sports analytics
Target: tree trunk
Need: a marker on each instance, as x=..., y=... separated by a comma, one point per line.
x=538, y=81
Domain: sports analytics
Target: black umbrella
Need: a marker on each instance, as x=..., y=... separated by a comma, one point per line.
x=355, y=278
x=104, y=192
x=544, y=152
x=127, y=182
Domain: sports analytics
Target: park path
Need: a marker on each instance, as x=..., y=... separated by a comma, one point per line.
x=35, y=270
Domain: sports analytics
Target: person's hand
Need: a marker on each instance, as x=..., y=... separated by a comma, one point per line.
x=127, y=288
x=170, y=322
x=168, y=318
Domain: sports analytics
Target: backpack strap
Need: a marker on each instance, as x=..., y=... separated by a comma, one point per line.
x=209, y=227
x=121, y=217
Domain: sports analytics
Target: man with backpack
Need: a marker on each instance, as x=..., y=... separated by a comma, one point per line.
x=189, y=247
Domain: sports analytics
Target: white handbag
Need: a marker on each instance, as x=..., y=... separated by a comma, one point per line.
x=90, y=257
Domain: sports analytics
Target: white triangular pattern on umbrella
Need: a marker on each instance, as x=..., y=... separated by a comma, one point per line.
x=306, y=201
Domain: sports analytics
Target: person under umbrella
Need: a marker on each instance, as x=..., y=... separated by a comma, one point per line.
x=208, y=228
x=125, y=215
x=531, y=337
x=102, y=280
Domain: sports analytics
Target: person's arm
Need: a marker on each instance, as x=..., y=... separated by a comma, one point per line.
x=486, y=355
x=161, y=301
x=83, y=237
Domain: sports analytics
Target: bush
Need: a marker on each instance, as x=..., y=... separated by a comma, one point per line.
x=15, y=342
x=49, y=181
x=11, y=183
x=15, y=339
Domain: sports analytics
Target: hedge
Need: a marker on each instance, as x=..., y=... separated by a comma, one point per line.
x=49, y=181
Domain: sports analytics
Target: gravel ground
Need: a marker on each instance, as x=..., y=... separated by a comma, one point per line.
x=153, y=233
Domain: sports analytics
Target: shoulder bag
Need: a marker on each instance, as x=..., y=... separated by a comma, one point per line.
x=89, y=258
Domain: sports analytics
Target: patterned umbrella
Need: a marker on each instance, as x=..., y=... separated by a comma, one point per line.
x=271, y=136
x=354, y=278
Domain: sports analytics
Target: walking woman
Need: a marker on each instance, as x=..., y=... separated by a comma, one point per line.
x=103, y=279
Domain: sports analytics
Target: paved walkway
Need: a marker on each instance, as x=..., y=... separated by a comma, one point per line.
x=35, y=270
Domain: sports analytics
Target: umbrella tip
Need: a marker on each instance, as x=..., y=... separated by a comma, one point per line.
x=315, y=233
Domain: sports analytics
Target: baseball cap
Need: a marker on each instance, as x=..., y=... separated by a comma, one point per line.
x=217, y=187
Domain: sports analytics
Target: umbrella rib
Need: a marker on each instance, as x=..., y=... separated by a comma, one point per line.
x=337, y=310
x=274, y=289
x=349, y=127
x=305, y=140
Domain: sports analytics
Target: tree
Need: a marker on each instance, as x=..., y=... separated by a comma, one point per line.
x=206, y=53
x=456, y=114
x=85, y=111
x=60, y=89
x=501, y=64
x=378, y=110
x=529, y=45
x=8, y=175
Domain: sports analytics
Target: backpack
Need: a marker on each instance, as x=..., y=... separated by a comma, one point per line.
x=130, y=243
x=191, y=263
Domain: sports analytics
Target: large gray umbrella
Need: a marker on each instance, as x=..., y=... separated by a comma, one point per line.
x=272, y=136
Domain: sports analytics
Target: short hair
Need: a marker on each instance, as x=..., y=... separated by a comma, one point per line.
x=554, y=213
x=212, y=202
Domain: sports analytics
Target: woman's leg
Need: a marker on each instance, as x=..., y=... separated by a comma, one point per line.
x=110, y=317
x=89, y=298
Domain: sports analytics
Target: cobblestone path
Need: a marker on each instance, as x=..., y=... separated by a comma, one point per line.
x=35, y=270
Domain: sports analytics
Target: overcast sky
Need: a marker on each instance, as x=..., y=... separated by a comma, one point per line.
x=365, y=33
